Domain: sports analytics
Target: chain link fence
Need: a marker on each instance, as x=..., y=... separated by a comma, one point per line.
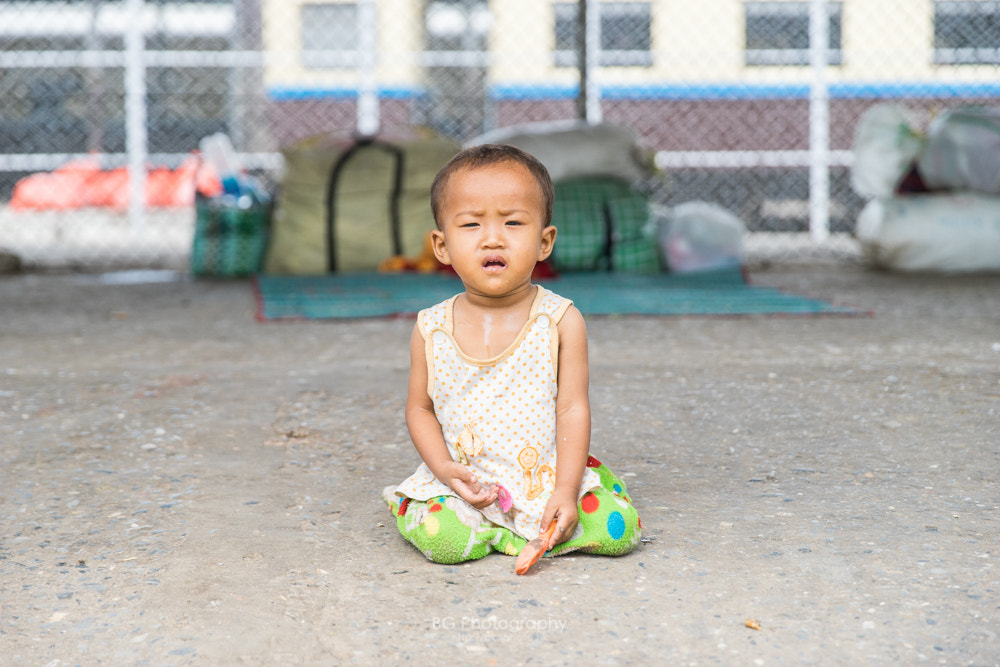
x=747, y=104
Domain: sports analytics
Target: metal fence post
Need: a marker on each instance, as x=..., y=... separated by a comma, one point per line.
x=135, y=115
x=588, y=60
x=819, y=122
x=368, y=120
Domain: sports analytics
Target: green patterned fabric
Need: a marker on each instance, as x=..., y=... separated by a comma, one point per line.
x=634, y=247
x=446, y=529
x=603, y=226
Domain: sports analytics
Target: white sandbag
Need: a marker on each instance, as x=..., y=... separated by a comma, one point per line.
x=963, y=150
x=572, y=149
x=885, y=148
x=699, y=236
x=948, y=233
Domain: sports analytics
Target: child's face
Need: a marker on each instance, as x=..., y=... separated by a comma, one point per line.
x=492, y=228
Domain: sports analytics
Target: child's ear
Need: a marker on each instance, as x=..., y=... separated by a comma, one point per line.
x=548, y=242
x=439, y=247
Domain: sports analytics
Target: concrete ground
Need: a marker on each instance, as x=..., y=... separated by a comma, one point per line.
x=181, y=485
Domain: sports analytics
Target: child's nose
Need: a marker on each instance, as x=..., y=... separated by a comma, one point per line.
x=494, y=235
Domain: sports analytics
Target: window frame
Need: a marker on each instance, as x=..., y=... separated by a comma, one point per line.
x=966, y=55
x=794, y=57
x=328, y=58
x=609, y=11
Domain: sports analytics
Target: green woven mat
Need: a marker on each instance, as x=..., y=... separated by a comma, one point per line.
x=373, y=295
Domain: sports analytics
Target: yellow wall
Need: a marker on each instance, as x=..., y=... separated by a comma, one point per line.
x=399, y=38
x=703, y=41
x=522, y=40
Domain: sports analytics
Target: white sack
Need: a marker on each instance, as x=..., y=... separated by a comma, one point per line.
x=885, y=148
x=949, y=233
x=963, y=150
x=571, y=149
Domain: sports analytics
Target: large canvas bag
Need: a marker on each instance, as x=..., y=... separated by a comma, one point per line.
x=346, y=203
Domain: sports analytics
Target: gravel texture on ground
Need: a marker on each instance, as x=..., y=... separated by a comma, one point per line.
x=182, y=485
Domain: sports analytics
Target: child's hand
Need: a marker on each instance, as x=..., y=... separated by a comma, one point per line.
x=465, y=483
x=561, y=508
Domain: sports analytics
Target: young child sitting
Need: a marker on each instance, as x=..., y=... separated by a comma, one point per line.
x=497, y=404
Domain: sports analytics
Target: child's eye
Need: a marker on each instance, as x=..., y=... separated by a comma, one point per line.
x=468, y=225
x=514, y=223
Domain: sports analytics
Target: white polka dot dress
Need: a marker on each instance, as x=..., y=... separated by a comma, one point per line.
x=498, y=415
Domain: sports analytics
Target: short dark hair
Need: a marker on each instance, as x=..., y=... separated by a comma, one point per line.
x=486, y=155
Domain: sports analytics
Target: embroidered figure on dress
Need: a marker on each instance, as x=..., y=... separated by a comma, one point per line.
x=468, y=444
x=528, y=458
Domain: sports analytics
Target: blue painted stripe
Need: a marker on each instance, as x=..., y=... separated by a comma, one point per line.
x=705, y=91
x=542, y=91
x=914, y=89
x=291, y=93
x=750, y=91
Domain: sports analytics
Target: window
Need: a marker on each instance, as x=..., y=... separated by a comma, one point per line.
x=330, y=35
x=457, y=25
x=625, y=34
x=967, y=32
x=777, y=33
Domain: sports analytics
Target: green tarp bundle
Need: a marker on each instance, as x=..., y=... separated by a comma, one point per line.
x=603, y=226
x=604, y=223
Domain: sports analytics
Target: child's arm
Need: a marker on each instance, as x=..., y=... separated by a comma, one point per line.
x=425, y=431
x=572, y=425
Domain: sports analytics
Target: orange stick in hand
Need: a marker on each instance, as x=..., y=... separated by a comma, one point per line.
x=534, y=549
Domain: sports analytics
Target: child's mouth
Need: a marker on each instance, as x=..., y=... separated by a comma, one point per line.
x=494, y=263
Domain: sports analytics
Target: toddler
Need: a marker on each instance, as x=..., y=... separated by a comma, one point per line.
x=497, y=403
